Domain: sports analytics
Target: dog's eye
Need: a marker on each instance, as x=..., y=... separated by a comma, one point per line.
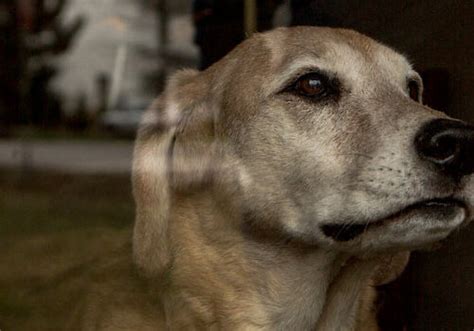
x=414, y=90
x=312, y=85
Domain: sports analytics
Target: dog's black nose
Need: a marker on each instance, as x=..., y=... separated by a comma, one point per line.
x=449, y=145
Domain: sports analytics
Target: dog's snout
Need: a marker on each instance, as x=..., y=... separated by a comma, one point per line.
x=447, y=144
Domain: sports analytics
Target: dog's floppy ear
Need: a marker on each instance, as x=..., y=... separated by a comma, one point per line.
x=173, y=152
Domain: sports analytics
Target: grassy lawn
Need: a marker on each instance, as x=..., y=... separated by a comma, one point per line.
x=51, y=228
x=27, y=132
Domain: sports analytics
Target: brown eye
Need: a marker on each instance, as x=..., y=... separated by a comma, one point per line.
x=414, y=90
x=312, y=85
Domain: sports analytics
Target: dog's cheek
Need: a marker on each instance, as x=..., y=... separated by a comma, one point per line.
x=266, y=203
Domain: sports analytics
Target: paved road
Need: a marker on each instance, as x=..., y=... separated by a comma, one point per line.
x=66, y=156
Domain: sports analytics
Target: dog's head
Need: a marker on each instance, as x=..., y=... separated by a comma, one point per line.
x=313, y=134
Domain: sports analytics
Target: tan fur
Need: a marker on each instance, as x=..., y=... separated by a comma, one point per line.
x=233, y=178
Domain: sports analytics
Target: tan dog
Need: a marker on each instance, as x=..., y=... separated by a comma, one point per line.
x=275, y=188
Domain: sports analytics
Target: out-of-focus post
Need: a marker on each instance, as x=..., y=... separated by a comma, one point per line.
x=250, y=17
x=11, y=65
x=163, y=34
x=163, y=19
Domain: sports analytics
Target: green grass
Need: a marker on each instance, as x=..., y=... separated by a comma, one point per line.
x=45, y=203
x=31, y=132
x=52, y=227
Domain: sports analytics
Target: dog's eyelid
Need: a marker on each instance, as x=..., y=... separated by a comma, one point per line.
x=414, y=87
x=415, y=77
x=303, y=72
x=311, y=71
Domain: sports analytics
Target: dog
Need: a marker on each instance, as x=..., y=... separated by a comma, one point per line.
x=277, y=187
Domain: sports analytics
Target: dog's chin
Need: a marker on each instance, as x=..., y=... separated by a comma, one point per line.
x=412, y=227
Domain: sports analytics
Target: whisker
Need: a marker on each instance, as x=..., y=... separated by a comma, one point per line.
x=356, y=154
x=366, y=226
x=344, y=226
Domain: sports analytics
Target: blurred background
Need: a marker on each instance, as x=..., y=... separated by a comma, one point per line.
x=75, y=76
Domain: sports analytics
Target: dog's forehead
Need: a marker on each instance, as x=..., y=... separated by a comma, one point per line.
x=344, y=52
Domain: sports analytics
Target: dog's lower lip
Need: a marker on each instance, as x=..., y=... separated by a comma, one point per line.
x=346, y=231
x=438, y=202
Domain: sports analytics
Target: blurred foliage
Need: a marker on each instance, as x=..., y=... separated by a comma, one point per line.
x=32, y=34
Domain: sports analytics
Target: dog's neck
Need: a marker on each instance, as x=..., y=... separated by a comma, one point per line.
x=223, y=279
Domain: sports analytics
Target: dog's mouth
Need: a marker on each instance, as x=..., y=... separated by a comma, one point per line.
x=442, y=209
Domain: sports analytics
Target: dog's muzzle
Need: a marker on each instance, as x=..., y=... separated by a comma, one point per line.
x=447, y=146
x=440, y=208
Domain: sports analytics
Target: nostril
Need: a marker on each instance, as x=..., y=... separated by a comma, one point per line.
x=447, y=144
x=443, y=149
